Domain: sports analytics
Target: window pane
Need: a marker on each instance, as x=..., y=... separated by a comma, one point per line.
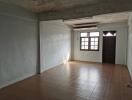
x=96, y=43
x=94, y=34
x=86, y=39
x=92, y=43
x=82, y=43
x=115, y=34
x=96, y=39
x=92, y=39
x=86, y=43
x=109, y=34
x=82, y=47
x=84, y=34
x=83, y=39
x=96, y=47
x=92, y=47
x=86, y=47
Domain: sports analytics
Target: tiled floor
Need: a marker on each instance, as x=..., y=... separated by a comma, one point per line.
x=73, y=81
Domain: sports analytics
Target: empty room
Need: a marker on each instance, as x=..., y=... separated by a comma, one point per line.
x=65, y=49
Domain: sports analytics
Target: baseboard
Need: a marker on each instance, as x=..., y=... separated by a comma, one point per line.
x=87, y=61
x=43, y=70
x=8, y=83
x=130, y=73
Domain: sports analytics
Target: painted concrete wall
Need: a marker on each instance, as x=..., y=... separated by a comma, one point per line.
x=55, y=43
x=18, y=44
x=96, y=56
x=129, y=54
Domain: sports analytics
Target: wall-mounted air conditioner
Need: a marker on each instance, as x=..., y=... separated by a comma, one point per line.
x=84, y=26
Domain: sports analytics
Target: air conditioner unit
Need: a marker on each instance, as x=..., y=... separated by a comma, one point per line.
x=84, y=26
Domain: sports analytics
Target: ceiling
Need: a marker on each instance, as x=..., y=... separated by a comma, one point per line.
x=105, y=18
x=50, y=5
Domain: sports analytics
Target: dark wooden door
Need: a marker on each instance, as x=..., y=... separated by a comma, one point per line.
x=109, y=48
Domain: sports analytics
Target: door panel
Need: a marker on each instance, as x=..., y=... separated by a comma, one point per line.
x=109, y=47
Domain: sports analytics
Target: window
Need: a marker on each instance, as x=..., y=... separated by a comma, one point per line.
x=89, y=41
x=109, y=33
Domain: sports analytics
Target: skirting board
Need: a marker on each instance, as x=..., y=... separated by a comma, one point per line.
x=16, y=80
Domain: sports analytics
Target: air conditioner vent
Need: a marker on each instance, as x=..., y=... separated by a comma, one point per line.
x=92, y=25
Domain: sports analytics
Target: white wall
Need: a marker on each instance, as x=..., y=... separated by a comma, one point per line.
x=55, y=43
x=129, y=54
x=96, y=56
x=18, y=44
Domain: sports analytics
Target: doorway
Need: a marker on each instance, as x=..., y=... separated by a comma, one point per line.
x=109, y=47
